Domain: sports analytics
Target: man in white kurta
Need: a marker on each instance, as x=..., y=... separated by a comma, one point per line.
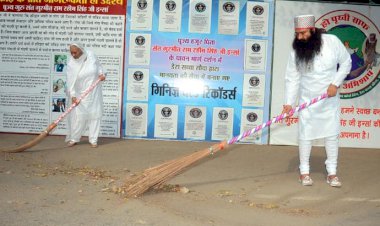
x=308, y=75
x=83, y=69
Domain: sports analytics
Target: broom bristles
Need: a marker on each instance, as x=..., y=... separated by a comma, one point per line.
x=156, y=176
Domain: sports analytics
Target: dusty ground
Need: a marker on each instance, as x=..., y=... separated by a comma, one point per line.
x=51, y=184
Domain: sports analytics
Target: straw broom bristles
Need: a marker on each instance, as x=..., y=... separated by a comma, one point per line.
x=156, y=176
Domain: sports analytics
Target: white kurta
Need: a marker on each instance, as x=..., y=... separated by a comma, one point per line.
x=323, y=118
x=81, y=74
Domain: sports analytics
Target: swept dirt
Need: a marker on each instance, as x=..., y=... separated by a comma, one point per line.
x=51, y=184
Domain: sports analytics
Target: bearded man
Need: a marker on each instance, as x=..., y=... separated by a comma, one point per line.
x=318, y=63
x=83, y=69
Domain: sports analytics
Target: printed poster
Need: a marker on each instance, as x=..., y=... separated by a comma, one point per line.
x=250, y=119
x=228, y=21
x=138, y=81
x=195, y=122
x=139, y=49
x=137, y=115
x=165, y=121
x=255, y=54
x=170, y=16
x=222, y=123
x=141, y=15
x=257, y=19
x=200, y=16
x=253, y=90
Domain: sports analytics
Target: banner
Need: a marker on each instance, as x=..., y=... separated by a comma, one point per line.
x=33, y=59
x=358, y=29
x=200, y=68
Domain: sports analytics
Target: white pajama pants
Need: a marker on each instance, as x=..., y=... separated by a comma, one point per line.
x=331, y=146
x=80, y=126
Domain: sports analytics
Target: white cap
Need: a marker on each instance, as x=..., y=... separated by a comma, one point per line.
x=304, y=22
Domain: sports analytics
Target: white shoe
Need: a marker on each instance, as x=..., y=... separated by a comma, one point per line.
x=71, y=143
x=334, y=182
x=306, y=180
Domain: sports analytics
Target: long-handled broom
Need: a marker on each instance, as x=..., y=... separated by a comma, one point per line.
x=46, y=132
x=156, y=176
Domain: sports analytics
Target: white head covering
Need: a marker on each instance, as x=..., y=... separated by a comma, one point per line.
x=304, y=22
x=84, y=52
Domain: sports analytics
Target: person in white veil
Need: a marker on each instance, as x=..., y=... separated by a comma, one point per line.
x=83, y=69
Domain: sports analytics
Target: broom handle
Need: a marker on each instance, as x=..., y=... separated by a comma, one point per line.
x=45, y=133
x=86, y=92
x=276, y=119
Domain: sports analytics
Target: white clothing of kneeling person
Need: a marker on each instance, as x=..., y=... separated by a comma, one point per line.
x=83, y=69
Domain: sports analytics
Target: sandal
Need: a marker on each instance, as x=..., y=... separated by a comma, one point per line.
x=334, y=181
x=306, y=180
